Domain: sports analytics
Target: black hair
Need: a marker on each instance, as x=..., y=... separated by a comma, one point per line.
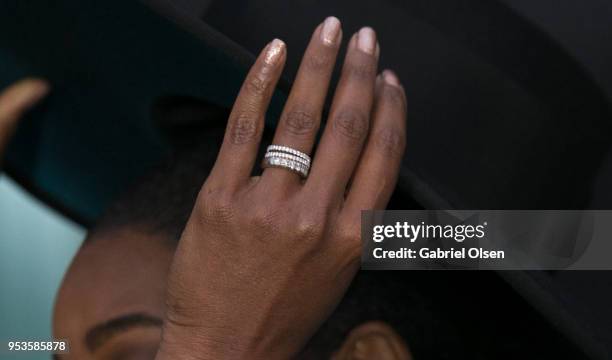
x=161, y=201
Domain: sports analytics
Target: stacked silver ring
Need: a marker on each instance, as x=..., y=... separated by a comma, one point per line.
x=287, y=158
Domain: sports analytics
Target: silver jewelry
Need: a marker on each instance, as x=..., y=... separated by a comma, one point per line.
x=288, y=150
x=303, y=161
x=287, y=158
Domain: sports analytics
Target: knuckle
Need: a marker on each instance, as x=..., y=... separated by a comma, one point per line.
x=390, y=142
x=215, y=207
x=363, y=69
x=257, y=85
x=349, y=237
x=351, y=125
x=261, y=217
x=309, y=228
x=300, y=121
x=394, y=96
x=244, y=128
x=319, y=63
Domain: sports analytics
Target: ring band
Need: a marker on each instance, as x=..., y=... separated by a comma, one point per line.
x=288, y=150
x=276, y=162
x=288, y=156
x=284, y=157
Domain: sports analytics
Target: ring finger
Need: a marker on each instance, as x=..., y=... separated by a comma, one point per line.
x=301, y=116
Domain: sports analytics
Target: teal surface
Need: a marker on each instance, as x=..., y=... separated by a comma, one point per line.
x=36, y=246
x=107, y=62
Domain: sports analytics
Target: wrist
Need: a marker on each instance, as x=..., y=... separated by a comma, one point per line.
x=191, y=343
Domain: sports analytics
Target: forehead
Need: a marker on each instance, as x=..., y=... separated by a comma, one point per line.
x=113, y=274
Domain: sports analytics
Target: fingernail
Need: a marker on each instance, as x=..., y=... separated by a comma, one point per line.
x=391, y=78
x=366, y=40
x=330, y=31
x=274, y=52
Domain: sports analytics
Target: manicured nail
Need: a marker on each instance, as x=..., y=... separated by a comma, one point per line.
x=330, y=30
x=391, y=78
x=366, y=40
x=274, y=52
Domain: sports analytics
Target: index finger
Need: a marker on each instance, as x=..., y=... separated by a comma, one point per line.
x=246, y=122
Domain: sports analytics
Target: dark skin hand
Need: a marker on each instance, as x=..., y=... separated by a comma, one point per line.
x=263, y=261
x=14, y=102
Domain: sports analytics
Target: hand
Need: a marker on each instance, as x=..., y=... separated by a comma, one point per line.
x=263, y=261
x=14, y=102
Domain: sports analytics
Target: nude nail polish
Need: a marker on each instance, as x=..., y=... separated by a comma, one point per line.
x=390, y=78
x=330, y=30
x=274, y=52
x=366, y=40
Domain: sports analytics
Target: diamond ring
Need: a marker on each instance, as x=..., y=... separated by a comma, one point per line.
x=287, y=158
